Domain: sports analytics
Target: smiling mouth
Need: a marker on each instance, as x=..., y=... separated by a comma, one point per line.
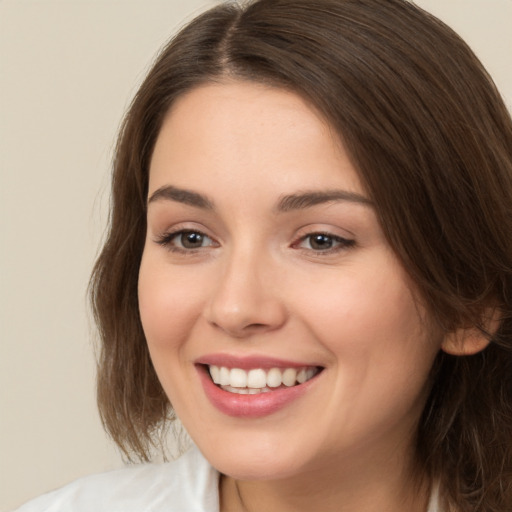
x=259, y=380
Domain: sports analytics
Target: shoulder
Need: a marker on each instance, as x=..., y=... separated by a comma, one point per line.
x=188, y=484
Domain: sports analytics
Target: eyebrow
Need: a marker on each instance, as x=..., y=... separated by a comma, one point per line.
x=286, y=203
x=180, y=195
x=312, y=198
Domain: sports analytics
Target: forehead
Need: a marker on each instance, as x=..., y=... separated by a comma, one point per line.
x=242, y=129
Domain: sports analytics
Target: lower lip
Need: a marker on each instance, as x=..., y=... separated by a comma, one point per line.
x=250, y=406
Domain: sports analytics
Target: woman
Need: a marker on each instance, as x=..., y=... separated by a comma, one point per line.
x=309, y=258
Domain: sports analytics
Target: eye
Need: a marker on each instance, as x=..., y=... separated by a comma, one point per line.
x=191, y=240
x=324, y=242
x=185, y=240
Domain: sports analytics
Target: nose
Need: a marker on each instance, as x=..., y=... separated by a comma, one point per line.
x=246, y=298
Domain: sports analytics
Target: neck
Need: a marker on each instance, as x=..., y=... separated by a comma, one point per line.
x=342, y=487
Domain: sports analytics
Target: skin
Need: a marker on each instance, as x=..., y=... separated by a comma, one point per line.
x=257, y=285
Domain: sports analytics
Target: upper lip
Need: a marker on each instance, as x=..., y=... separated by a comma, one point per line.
x=249, y=362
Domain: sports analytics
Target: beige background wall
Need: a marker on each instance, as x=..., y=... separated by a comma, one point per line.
x=67, y=71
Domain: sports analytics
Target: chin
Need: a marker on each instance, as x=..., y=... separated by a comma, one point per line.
x=256, y=462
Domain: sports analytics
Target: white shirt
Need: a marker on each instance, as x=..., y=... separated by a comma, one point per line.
x=188, y=484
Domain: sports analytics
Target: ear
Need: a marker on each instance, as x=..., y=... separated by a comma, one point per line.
x=466, y=341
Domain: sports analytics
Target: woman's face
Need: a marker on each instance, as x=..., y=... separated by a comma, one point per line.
x=265, y=266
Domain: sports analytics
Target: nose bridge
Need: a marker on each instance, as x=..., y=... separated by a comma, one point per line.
x=245, y=299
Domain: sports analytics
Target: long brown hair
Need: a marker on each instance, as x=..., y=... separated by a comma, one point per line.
x=432, y=141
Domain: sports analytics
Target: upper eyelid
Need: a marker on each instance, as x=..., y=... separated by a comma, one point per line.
x=312, y=229
x=179, y=227
x=326, y=233
x=171, y=233
x=339, y=238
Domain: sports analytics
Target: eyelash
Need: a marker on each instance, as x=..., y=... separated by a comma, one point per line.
x=166, y=240
x=340, y=243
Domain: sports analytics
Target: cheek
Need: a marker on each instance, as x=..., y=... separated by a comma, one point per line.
x=375, y=331
x=169, y=305
x=381, y=352
x=363, y=308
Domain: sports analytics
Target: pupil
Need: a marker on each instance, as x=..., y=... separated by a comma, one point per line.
x=321, y=242
x=191, y=240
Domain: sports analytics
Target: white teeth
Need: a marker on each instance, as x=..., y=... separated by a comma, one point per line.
x=301, y=376
x=246, y=391
x=238, y=378
x=224, y=376
x=274, y=378
x=215, y=373
x=289, y=377
x=259, y=380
